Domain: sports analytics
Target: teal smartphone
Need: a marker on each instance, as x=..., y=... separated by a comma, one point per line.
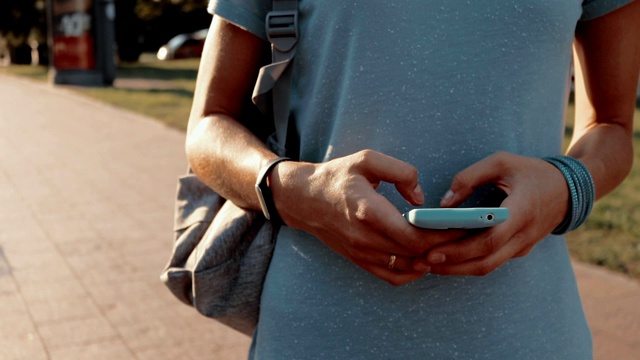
x=457, y=218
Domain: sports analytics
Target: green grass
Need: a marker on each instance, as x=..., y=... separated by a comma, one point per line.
x=610, y=238
x=170, y=106
x=167, y=97
x=39, y=73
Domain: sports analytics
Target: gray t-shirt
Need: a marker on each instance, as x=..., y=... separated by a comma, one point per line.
x=440, y=85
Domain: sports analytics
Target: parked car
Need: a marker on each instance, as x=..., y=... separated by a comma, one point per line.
x=183, y=46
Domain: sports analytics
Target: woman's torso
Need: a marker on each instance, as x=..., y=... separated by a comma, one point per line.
x=439, y=85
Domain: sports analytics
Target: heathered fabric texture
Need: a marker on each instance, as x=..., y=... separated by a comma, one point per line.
x=440, y=85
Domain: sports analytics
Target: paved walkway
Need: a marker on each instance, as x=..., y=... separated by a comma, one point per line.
x=86, y=202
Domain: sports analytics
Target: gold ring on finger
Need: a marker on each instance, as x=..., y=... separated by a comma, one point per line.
x=392, y=261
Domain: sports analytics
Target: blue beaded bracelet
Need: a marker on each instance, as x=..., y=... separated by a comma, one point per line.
x=582, y=193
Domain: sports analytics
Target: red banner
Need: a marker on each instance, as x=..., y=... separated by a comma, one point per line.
x=73, y=35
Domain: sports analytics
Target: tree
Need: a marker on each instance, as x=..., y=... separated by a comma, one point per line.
x=128, y=28
x=145, y=25
x=22, y=21
x=140, y=25
x=163, y=19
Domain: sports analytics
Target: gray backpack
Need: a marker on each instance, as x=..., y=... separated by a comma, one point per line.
x=221, y=252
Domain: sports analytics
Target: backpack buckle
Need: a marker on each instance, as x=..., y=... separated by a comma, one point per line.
x=282, y=29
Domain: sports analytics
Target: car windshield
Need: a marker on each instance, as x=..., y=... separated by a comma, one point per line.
x=177, y=40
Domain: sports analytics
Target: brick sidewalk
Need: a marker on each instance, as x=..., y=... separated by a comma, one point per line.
x=86, y=201
x=86, y=217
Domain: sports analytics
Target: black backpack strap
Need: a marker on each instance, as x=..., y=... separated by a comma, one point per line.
x=282, y=31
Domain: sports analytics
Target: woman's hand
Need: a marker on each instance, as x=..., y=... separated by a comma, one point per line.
x=537, y=198
x=338, y=203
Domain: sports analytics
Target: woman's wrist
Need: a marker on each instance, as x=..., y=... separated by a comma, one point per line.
x=264, y=193
x=581, y=192
x=284, y=180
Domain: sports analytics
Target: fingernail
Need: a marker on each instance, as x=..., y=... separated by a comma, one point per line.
x=446, y=199
x=421, y=266
x=418, y=194
x=436, y=258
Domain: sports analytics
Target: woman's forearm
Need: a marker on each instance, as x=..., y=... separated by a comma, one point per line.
x=607, y=151
x=607, y=62
x=221, y=151
x=227, y=157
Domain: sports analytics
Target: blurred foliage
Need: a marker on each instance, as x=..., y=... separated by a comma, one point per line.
x=164, y=19
x=20, y=19
x=149, y=10
x=23, y=24
x=140, y=25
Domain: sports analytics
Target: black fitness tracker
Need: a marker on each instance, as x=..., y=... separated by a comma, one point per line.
x=264, y=192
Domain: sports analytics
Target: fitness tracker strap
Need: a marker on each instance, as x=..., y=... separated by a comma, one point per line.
x=265, y=196
x=274, y=79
